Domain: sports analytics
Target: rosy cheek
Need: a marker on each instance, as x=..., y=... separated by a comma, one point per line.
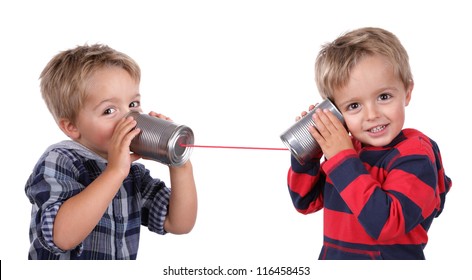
x=350, y=123
x=104, y=135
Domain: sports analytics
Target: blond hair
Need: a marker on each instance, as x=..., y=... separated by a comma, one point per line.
x=64, y=79
x=336, y=59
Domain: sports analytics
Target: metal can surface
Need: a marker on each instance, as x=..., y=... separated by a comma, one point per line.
x=161, y=140
x=298, y=138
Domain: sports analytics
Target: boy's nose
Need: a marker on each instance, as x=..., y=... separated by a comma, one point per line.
x=127, y=112
x=372, y=112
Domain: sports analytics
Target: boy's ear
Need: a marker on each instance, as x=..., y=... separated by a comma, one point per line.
x=69, y=129
x=409, y=89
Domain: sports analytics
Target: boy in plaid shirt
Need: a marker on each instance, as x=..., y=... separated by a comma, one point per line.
x=89, y=197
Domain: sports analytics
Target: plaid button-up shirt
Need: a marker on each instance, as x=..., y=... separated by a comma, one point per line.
x=65, y=170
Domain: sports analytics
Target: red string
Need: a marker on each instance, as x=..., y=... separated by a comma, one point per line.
x=232, y=147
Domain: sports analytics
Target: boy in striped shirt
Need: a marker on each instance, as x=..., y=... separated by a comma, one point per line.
x=380, y=185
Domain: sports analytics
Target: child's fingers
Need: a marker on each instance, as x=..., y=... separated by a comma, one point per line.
x=128, y=131
x=153, y=114
x=323, y=123
x=316, y=134
x=135, y=157
x=302, y=114
x=130, y=136
x=124, y=130
x=330, y=123
x=160, y=116
x=335, y=121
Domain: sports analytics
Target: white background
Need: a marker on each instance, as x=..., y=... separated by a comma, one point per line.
x=237, y=73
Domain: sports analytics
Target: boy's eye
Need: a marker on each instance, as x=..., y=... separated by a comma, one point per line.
x=109, y=111
x=353, y=106
x=134, y=104
x=384, y=96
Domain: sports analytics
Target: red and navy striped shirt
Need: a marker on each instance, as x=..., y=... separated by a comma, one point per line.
x=379, y=202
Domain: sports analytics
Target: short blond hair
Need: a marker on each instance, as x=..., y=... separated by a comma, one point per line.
x=64, y=79
x=336, y=59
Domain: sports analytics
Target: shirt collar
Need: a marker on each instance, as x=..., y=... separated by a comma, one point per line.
x=79, y=148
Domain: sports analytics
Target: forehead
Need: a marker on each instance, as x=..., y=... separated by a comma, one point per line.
x=110, y=79
x=371, y=64
x=371, y=74
x=110, y=83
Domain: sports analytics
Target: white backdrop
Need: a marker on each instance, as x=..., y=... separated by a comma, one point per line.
x=237, y=73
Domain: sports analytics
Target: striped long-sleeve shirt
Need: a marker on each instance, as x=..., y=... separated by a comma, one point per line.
x=378, y=202
x=66, y=169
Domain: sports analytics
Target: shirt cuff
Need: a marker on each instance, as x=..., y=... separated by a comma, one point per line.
x=159, y=209
x=47, y=228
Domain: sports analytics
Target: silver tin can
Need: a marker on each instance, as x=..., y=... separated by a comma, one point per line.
x=298, y=138
x=161, y=140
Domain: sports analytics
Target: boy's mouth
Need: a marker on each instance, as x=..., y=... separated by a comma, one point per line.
x=377, y=129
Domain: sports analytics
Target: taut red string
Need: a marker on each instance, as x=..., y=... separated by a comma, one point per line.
x=232, y=147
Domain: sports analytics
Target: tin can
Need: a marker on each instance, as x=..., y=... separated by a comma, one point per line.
x=161, y=140
x=298, y=138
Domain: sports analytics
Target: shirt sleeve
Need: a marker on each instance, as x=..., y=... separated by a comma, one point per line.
x=305, y=184
x=155, y=203
x=393, y=199
x=52, y=183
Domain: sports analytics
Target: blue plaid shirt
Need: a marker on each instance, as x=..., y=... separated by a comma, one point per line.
x=67, y=168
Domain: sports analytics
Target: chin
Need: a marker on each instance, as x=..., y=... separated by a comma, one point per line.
x=381, y=143
x=369, y=141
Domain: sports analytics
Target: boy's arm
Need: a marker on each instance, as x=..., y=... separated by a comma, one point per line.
x=305, y=186
x=182, y=211
x=78, y=215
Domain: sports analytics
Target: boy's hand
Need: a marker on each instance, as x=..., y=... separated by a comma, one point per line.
x=119, y=154
x=311, y=107
x=330, y=133
x=160, y=116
